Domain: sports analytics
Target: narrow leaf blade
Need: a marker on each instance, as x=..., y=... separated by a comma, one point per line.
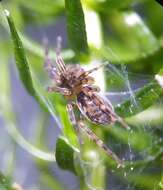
x=20, y=57
x=76, y=26
x=145, y=98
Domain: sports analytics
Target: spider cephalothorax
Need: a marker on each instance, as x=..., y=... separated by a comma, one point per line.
x=77, y=86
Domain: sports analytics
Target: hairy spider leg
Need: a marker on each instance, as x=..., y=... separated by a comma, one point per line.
x=123, y=123
x=59, y=61
x=48, y=65
x=92, y=135
x=72, y=119
x=47, y=61
x=63, y=91
x=100, y=143
x=94, y=69
x=71, y=113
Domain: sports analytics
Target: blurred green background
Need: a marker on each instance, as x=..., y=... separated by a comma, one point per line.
x=39, y=148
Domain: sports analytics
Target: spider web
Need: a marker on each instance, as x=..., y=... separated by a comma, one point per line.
x=119, y=179
x=131, y=84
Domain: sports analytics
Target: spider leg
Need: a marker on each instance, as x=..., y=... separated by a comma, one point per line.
x=123, y=123
x=100, y=143
x=59, y=60
x=94, y=69
x=63, y=91
x=48, y=64
x=72, y=117
x=71, y=113
x=47, y=61
x=92, y=135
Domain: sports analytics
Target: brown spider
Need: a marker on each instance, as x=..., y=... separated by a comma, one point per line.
x=76, y=85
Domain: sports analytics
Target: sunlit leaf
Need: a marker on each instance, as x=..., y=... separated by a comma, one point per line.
x=43, y=6
x=105, y=5
x=120, y=46
x=46, y=9
x=151, y=116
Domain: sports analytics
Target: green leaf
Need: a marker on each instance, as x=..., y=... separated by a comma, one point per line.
x=64, y=154
x=145, y=97
x=146, y=181
x=151, y=116
x=76, y=26
x=110, y=5
x=21, y=61
x=43, y=6
x=152, y=17
x=4, y=183
x=30, y=83
x=120, y=46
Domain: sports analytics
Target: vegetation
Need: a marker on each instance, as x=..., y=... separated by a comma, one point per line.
x=128, y=37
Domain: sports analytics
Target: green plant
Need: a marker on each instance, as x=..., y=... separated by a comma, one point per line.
x=131, y=42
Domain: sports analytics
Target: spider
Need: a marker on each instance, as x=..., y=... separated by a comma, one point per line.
x=77, y=86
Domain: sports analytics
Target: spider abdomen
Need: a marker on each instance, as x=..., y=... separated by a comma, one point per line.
x=95, y=108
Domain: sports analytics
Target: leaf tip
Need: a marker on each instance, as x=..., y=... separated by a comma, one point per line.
x=7, y=13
